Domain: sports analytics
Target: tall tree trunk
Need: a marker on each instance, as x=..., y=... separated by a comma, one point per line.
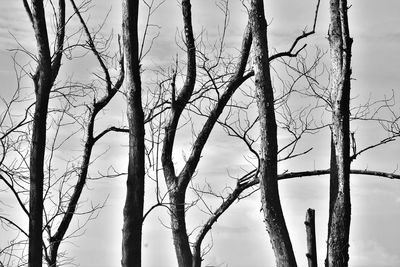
x=43, y=79
x=36, y=170
x=340, y=206
x=271, y=206
x=133, y=209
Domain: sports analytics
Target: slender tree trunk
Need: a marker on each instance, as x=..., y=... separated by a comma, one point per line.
x=36, y=178
x=311, y=239
x=340, y=206
x=271, y=205
x=177, y=184
x=133, y=209
x=42, y=82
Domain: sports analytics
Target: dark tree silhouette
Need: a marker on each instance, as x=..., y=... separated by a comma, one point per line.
x=133, y=209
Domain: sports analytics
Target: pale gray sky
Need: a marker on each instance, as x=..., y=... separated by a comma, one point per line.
x=239, y=238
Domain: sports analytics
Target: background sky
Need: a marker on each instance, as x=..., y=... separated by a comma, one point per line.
x=239, y=238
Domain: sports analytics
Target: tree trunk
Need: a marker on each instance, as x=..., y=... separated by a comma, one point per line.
x=178, y=227
x=311, y=242
x=43, y=81
x=177, y=184
x=36, y=175
x=271, y=206
x=133, y=209
x=340, y=206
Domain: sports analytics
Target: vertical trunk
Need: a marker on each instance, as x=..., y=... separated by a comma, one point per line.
x=133, y=209
x=36, y=179
x=178, y=227
x=42, y=82
x=311, y=242
x=340, y=206
x=271, y=206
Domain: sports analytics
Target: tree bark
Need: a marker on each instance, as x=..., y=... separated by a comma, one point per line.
x=271, y=206
x=133, y=209
x=178, y=226
x=340, y=205
x=43, y=79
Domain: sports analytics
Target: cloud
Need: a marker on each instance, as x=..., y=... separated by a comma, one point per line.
x=370, y=253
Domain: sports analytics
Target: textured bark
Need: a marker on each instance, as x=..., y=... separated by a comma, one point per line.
x=43, y=81
x=340, y=206
x=133, y=209
x=271, y=206
x=311, y=239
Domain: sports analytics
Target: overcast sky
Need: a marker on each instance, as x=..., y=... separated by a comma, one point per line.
x=239, y=238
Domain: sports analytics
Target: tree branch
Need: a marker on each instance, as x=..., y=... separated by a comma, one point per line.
x=249, y=180
x=183, y=96
x=28, y=10
x=305, y=34
x=60, y=36
x=93, y=47
x=234, y=83
x=11, y=187
x=14, y=224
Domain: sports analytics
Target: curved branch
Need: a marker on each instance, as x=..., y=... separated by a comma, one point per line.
x=93, y=47
x=15, y=225
x=382, y=142
x=15, y=194
x=183, y=97
x=235, y=82
x=110, y=129
x=305, y=34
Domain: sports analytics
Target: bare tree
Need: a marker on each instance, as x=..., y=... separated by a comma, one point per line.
x=61, y=191
x=178, y=183
x=203, y=82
